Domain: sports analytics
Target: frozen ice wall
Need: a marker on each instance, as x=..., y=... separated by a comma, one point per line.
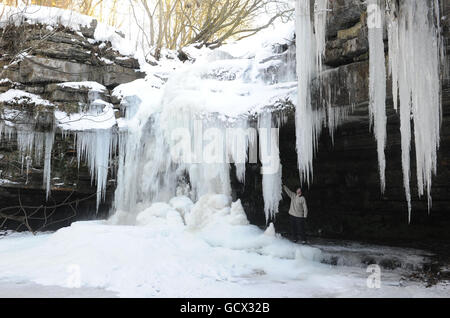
x=184, y=134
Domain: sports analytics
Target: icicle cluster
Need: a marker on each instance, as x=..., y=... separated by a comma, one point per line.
x=31, y=142
x=174, y=145
x=96, y=148
x=415, y=57
x=310, y=45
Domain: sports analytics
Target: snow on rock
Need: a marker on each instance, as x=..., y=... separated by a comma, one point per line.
x=103, y=119
x=89, y=85
x=54, y=17
x=15, y=96
x=226, y=87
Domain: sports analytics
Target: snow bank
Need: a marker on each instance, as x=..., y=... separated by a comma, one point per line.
x=218, y=257
x=162, y=257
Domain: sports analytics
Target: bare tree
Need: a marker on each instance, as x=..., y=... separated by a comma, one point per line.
x=176, y=23
x=41, y=216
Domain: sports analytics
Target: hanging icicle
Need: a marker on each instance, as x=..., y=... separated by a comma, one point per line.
x=415, y=61
x=95, y=147
x=377, y=81
x=305, y=133
x=271, y=167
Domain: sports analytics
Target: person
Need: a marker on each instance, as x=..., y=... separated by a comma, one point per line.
x=298, y=212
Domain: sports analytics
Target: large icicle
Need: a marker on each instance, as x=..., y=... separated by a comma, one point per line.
x=305, y=133
x=49, y=138
x=95, y=147
x=415, y=58
x=271, y=167
x=377, y=80
x=310, y=46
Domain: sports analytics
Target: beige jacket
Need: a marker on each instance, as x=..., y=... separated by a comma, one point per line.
x=298, y=204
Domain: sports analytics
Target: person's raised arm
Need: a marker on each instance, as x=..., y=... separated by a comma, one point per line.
x=288, y=192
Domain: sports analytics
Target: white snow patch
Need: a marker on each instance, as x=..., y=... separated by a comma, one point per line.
x=161, y=257
x=104, y=119
x=90, y=85
x=54, y=17
x=20, y=97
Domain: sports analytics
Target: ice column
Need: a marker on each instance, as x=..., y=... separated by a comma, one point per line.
x=305, y=133
x=49, y=138
x=271, y=167
x=377, y=80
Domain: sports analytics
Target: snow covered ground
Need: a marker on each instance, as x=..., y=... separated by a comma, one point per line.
x=182, y=250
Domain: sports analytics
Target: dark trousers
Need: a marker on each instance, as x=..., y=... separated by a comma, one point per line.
x=298, y=228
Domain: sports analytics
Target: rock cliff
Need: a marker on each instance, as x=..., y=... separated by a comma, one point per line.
x=344, y=198
x=45, y=70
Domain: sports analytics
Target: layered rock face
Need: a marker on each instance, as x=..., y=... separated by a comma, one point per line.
x=345, y=199
x=46, y=70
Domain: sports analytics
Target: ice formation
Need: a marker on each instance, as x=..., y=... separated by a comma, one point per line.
x=201, y=119
x=415, y=61
x=377, y=80
x=18, y=124
x=305, y=128
x=271, y=166
x=49, y=139
x=320, y=24
x=189, y=130
x=309, y=120
x=96, y=148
